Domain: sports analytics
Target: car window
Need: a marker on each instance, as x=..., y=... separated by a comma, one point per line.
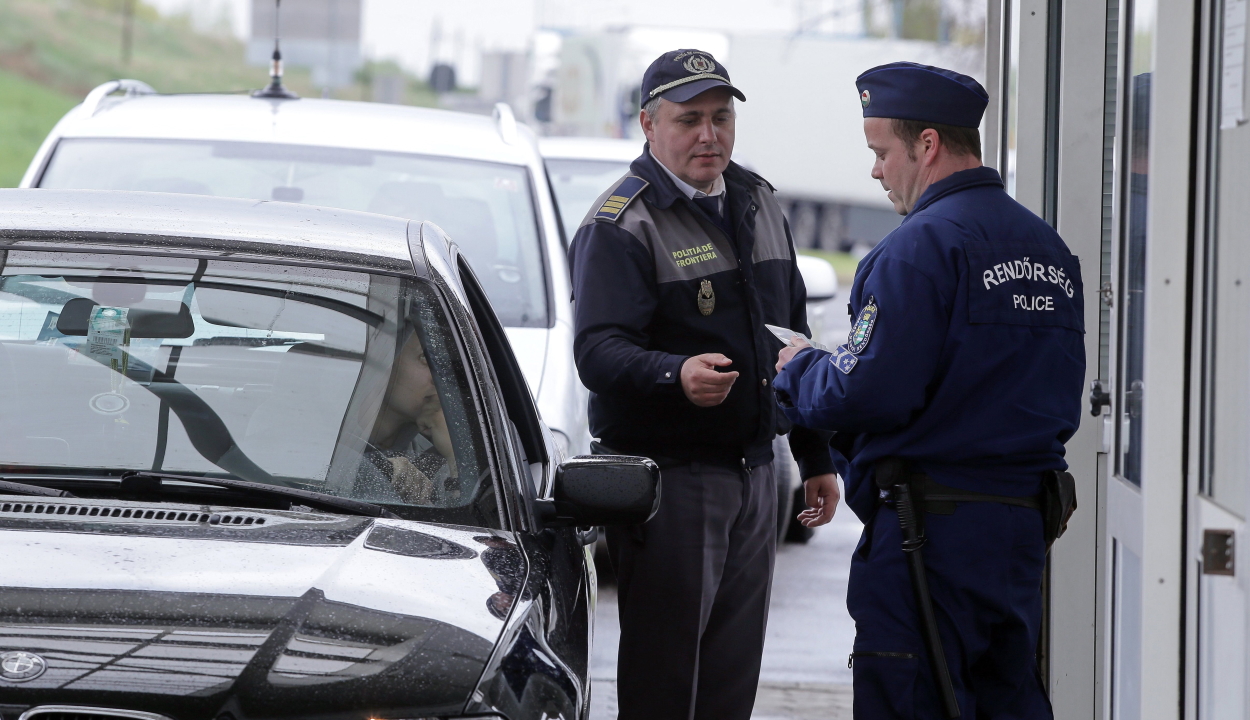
x=486, y=208
x=578, y=183
x=342, y=382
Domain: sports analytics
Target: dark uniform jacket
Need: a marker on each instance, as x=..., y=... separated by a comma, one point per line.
x=966, y=353
x=644, y=261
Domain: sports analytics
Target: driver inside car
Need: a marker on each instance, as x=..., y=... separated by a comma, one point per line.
x=410, y=445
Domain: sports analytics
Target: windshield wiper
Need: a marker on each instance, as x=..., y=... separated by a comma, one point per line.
x=8, y=487
x=150, y=482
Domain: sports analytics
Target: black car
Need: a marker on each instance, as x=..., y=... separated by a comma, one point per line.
x=265, y=460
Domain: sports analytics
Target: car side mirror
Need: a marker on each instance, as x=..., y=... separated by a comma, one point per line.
x=818, y=277
x=603, y=490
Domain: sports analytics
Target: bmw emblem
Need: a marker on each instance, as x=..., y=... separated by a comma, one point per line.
x=20, y=666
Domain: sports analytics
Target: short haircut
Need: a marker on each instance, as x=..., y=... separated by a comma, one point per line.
x=652, y=106
x=959, y=140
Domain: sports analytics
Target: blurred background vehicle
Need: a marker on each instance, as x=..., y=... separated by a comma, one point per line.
x=581, y=168
x=479, y=178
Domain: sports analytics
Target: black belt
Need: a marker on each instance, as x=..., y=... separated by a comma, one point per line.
x=941, y=499
x=728, y=463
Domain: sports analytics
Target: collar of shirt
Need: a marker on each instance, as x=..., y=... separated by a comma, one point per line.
x=718, y=185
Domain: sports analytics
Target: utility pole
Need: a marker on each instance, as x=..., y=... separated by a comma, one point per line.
x=128, y=30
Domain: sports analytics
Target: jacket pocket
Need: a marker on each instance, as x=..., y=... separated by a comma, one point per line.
x=884, y=684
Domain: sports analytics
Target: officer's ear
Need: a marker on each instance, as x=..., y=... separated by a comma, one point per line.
x=928, y=145
x=648, y=125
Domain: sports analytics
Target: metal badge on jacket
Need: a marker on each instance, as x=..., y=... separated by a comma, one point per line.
x=707, y=298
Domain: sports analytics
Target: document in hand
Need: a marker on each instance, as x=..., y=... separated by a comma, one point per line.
x=787, y=336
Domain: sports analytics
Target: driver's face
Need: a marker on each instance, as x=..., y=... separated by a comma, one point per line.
x=412, y=385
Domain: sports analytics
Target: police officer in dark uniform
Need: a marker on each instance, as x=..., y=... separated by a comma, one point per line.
x=951, y=400
x=676, y=270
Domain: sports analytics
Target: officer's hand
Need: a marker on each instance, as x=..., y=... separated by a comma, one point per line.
x=703, y=385
x=788, y=352
x=822, y=500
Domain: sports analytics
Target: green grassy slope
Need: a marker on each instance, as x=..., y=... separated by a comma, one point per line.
x=74, y=45
x=28, y=111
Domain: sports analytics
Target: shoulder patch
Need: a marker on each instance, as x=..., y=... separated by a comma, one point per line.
x=861, y=332
x=843, y=359
x=620, y=198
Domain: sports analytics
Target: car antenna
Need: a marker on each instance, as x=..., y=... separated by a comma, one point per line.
x=275, y=89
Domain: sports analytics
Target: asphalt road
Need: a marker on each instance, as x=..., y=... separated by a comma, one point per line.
x=810, y=633
x=804, y=674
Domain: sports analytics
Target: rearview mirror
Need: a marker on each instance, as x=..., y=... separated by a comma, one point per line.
x=603, y=490
x=818, y=277
x=144, y=322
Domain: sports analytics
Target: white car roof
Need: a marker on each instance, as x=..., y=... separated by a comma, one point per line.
x=163, y=222
x=584, y=148
x=307, y=121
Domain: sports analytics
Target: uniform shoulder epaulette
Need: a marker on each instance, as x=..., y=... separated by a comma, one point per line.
x=630, y=188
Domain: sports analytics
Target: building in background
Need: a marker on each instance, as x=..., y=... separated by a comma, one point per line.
x=323, y=35
x=802, y=125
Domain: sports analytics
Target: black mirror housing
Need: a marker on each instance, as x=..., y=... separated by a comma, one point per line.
x=603, y=490
x=144, y=323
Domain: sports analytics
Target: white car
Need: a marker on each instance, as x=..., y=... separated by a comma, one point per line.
x=479, y=178
x=580, y=170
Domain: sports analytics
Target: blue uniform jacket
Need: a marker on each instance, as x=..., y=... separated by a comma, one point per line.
x=966, y=353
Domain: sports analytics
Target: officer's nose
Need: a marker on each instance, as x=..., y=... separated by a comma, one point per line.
x=877, y=173
x=707, y=133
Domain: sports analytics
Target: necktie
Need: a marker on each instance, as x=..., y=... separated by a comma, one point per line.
x=711, y=206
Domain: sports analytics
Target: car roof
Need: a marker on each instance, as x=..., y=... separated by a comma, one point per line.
x=166, y=222
x=585, y=148
x=307, y=121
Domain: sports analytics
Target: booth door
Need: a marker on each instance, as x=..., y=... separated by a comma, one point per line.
x=1220, y=498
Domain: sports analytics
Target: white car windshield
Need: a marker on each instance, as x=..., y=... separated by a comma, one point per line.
x=347, y=383
x=486, y=208
x=578, y=182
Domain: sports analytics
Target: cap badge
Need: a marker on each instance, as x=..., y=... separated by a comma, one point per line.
x=707, y=298
x=865, y=98
x=699, y=64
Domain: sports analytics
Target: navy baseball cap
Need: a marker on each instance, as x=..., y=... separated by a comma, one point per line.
x=682, y=74
x=910, y=91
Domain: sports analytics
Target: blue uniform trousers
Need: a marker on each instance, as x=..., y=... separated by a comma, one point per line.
x=984, y=564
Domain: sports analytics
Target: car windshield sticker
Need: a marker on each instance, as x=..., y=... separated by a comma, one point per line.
x=843, y=359
x=108, y=334
x=861, y=332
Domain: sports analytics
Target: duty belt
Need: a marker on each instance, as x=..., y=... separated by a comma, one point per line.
x=941, y=499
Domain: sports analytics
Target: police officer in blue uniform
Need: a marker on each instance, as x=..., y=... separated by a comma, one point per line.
x=676, y=270
x=951, y=400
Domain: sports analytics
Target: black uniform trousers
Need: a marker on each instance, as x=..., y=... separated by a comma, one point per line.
x=694, y=586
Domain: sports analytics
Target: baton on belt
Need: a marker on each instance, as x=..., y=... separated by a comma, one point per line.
x=891, y=475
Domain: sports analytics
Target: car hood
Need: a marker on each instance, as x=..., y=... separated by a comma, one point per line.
x=256, y=614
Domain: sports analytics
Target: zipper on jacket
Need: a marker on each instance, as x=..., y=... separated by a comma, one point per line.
x=850, y=659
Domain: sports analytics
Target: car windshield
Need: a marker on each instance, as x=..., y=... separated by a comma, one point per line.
x=347, y=383
x=486, y=208
x=578, y=183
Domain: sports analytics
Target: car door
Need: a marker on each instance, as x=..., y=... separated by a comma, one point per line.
x=560, y=579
